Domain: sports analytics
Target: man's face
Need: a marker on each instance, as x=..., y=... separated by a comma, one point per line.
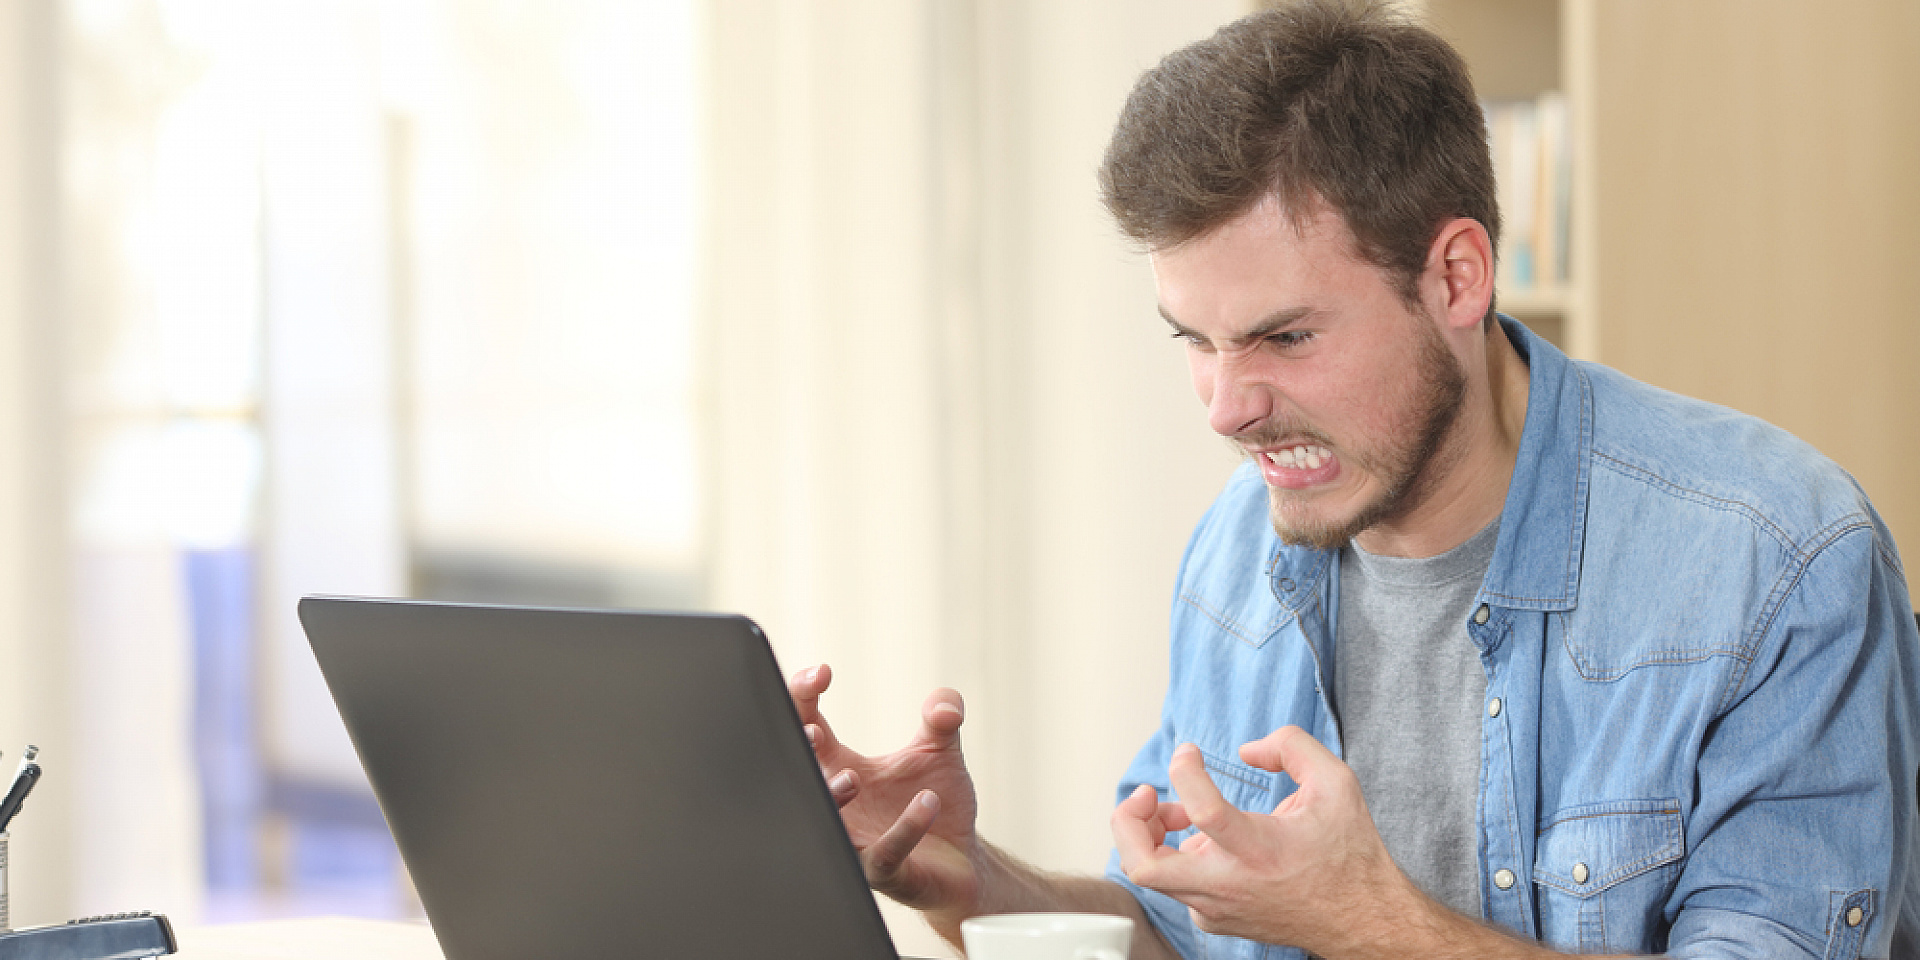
x=1312, y=364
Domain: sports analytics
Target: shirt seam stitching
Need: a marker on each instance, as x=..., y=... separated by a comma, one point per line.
x=1672, y=810
x=1760, y=520
x=1222, y=768
x=1788, y=582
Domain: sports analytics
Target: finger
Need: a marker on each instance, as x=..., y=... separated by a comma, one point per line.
x=1136, y=832
x=940, y=718
x=885, y=854
x=1144, y=805
x=1296, y=753
x=1204, y=805
x=805, y=687
x=820, y=738
x=844, y=786
x=1174, y=817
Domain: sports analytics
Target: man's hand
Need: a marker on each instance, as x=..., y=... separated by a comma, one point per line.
x=910, y=813
x=1312, y=874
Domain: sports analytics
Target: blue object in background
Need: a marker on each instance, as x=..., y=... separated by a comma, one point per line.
x=220, y=592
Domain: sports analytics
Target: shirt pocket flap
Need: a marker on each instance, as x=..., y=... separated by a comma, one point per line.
x=1586, y=849
x=1241, y=611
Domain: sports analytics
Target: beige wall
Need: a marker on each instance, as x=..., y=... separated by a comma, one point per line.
x=1757, y=218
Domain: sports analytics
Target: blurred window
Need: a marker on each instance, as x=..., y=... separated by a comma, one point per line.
x=363, y=297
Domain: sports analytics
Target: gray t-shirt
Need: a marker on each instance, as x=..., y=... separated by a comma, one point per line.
x=1408, y=694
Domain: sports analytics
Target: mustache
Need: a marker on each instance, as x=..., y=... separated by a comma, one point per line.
x=1273, y=433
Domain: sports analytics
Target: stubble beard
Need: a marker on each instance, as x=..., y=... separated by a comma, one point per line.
x=1405, y=471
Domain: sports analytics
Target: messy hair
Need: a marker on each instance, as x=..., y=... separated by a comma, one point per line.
x=1351, y=103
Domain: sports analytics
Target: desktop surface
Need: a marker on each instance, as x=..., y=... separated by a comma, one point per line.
x=318, y=938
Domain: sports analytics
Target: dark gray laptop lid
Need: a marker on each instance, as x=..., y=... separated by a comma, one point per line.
x=594, y=784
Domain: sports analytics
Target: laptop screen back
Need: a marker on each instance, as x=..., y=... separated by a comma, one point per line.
x=591, y=784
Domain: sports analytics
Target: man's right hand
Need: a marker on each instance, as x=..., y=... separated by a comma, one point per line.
x=910, y=813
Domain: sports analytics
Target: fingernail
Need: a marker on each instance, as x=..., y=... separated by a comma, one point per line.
x=842, y=782
x=929, y=800
x=813, y=673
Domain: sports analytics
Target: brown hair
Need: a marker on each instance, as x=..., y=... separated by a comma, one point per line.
x=1350, y=102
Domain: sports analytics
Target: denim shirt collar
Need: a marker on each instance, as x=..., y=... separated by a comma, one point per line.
x=1536, y=563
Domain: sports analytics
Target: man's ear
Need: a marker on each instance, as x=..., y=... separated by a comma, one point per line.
x=1462, y=258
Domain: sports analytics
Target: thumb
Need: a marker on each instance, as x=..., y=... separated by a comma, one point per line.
x=940, y=718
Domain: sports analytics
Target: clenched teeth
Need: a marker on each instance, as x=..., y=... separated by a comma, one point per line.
x=1305, y=456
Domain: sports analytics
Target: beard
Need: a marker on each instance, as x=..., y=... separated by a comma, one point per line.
x=1405, y=465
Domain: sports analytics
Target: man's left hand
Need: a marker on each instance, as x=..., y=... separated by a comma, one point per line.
x=1312, y=874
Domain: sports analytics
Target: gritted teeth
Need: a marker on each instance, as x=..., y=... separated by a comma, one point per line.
x=1303, y=456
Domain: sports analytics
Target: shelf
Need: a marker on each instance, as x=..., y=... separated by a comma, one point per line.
x=1534, y=303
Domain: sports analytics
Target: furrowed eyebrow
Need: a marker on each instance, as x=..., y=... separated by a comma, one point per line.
x=1268, y=326
x=1179, y=328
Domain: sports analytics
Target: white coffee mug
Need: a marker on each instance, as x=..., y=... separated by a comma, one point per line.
x=1047, y=936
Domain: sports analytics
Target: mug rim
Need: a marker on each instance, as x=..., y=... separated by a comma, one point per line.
x=1051, y=922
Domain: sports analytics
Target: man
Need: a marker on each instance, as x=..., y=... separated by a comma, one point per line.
x=1485, y=652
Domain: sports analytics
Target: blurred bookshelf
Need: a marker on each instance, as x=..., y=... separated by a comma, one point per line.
x=1531, y=143
x=1514, y=50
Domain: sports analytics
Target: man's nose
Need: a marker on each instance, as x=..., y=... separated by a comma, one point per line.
x=1242, y=398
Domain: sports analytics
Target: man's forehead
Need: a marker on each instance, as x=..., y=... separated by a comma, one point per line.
x=1259, y=253
x=1269, y=223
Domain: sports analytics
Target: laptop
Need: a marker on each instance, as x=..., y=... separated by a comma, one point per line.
x=594, y=783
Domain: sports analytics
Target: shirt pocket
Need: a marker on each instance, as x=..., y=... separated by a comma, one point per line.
x=1604, y=872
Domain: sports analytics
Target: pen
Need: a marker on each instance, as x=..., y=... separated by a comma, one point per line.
x=23, y=782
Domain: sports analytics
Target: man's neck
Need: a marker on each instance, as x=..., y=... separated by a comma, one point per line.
x=1475, y=467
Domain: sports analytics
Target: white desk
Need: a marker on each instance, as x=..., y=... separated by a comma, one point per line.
x=327, y=938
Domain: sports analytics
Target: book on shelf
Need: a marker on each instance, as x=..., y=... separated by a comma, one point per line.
x=1532, y=146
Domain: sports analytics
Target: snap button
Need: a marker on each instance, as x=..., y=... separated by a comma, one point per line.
x=1580, y=873
x=1854, y=916
x=1493, y=707
x=1480, y=615
x=1503, y=878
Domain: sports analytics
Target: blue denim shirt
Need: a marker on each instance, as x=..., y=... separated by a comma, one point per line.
x=1700, y=637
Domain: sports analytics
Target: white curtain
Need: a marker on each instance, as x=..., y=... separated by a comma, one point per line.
x=949, y=442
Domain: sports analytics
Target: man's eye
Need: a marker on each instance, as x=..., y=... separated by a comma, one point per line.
x=1290, y=338
x=1191, y=339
